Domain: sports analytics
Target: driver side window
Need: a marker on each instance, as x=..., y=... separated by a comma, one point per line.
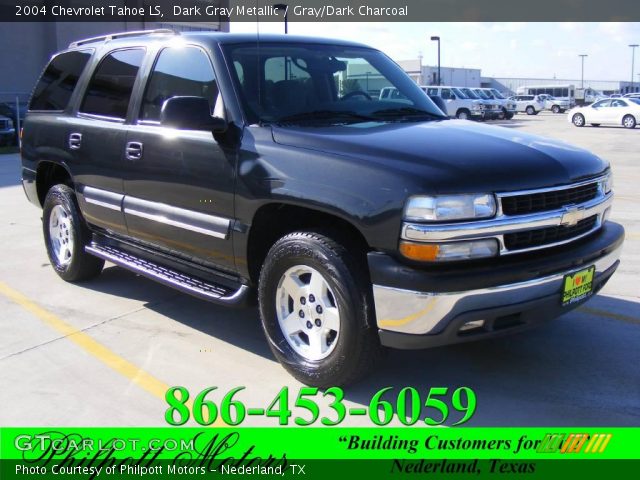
x=180, y=72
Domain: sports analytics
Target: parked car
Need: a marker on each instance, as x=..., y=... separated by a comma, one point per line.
x=9, y=110
x=631, y=95
x=7, y=131
x=493, y=108
x=508, y=107
x=615, y=95
x=489, y=106
x=612, y=111
x=456, y=102
x=222, y=169
x=556, y=105
x=530, y=104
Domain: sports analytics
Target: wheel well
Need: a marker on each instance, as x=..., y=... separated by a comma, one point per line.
x=49, y=174
x=462, y=109
x=272, y=222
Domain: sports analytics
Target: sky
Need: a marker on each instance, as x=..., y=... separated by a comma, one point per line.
x=530, y=50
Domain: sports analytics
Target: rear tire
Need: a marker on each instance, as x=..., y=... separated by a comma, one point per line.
x=65, y=236
x=555, y=109
x=317, y=311
x=578, y=120
x=629, y=121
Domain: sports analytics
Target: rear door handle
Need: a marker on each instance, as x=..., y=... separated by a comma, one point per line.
x=75, y=140
x=134, y=151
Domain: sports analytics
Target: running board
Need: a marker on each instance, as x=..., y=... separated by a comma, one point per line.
x=172, y=278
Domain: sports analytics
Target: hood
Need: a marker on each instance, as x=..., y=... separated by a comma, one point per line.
x=451, y=156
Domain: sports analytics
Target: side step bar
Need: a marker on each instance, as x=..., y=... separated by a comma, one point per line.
x=172, y=278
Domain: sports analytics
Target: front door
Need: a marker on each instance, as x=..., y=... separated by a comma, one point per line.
x=179, y=184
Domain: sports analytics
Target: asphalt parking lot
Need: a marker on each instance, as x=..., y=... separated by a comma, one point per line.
x=103, y=352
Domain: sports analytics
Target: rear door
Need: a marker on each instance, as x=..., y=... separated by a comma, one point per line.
x=97, y=136
x=179, y=183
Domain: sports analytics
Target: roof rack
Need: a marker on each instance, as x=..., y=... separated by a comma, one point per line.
x=111, y=36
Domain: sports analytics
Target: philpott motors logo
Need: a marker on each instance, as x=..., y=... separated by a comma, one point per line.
x=574, y=443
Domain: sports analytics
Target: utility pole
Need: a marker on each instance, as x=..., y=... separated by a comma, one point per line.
x=582, y=77
x=633, y=57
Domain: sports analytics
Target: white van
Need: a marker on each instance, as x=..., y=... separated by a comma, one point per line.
x=457, y=103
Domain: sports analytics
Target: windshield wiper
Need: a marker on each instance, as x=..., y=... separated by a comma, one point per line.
x=407, y=112
x=343, y=115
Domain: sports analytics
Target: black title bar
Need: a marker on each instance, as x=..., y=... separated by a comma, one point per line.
x=318, y=10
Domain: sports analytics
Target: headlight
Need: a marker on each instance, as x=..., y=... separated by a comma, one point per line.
x=449, y=207
x=451, y=251
x=606, y=184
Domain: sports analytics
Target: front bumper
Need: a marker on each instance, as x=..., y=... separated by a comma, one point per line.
x=420, y=308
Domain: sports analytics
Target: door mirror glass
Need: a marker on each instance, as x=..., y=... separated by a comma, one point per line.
x=190, y=113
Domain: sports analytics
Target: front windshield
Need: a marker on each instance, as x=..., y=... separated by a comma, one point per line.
x=459, y=93
x=497, y=94
x=470, y=93
x=297, y=83
x=481, y=94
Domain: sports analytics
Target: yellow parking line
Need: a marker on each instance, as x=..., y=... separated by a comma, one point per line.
x=614, y=316
x=144, y=380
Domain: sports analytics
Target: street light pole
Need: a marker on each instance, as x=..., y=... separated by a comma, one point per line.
x=582, y=77
x=633, y=57
x=437, y=39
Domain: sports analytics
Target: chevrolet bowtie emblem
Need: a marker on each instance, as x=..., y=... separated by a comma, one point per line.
x=571, y=216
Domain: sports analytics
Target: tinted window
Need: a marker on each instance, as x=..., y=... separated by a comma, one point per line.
x=618, y=103
x=321, y=83
x=110, y=89
x=58, y=81
x=179, y=72
x=602, y=103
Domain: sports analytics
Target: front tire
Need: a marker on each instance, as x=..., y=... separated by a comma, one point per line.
x=66, y=234
x=316, y=310
x=462, y=114
x=530, y=110
x=578, y=120
x=629, y=121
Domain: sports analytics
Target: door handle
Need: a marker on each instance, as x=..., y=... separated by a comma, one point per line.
x=134, y=151
x=75, y=140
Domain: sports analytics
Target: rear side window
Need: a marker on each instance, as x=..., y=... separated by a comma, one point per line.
x=178, y=72
x=55, y=87
x=110, y=88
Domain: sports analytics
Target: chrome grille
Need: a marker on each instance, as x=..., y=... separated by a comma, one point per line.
x=548, y=200
x=545, y=236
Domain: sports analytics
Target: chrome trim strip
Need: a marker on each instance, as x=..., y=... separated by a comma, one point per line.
x=500, y=225
x=103, y=198
x=421, y=313
x=205, y=224
x=569, y=186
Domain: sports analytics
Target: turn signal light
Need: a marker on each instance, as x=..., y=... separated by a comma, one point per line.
x=422, y=252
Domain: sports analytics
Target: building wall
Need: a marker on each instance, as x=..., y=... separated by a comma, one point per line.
x=428, y=75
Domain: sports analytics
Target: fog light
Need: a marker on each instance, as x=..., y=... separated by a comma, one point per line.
x=472, y=325
x=443, y=252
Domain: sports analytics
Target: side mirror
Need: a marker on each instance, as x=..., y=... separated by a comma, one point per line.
x=190, y=113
